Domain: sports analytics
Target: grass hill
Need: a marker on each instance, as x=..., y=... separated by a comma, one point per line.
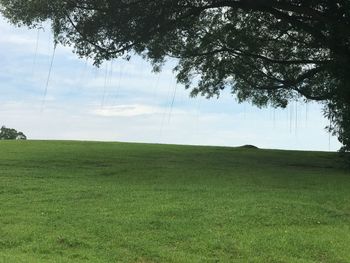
x=117, y=202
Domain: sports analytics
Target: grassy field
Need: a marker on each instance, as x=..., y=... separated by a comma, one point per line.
x=116, y=202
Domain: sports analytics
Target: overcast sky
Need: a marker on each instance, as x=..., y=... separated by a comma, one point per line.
x=125, y=101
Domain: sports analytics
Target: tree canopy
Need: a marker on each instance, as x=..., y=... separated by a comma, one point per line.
x=267, y=52
x=11, y=134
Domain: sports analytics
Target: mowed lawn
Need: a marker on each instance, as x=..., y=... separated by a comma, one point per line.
x=118, y=202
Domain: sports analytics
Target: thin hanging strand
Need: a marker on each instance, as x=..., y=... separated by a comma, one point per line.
x=244, y=110
x=48, y=78
x=118, y=87
x=296, y=118
x=197, y=114
x=155, y=88
x=172, y=103
x=291, y=118
x=36, y=50
x=164, y=116
x=109, y=80
x=329, y=134
x=104, y=87
x=307, y=113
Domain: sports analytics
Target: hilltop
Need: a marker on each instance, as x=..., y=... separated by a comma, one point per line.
x=64, y=201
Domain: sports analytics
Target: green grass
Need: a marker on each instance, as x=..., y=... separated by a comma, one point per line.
x=117, y=202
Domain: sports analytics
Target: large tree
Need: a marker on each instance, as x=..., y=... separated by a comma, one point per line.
x=268, y=52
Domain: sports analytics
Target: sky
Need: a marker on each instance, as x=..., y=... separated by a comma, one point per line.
x=125, y=101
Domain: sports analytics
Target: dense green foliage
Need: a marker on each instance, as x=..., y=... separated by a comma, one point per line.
x=11, y=134
x=265, y=51
x=112, y=202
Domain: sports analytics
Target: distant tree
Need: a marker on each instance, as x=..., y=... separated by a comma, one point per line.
x=21, y=136
x=11, y=134
x=267, y=52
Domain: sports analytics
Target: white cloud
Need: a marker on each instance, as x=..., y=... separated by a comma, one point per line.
x=17, y=40
x=127, y=110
